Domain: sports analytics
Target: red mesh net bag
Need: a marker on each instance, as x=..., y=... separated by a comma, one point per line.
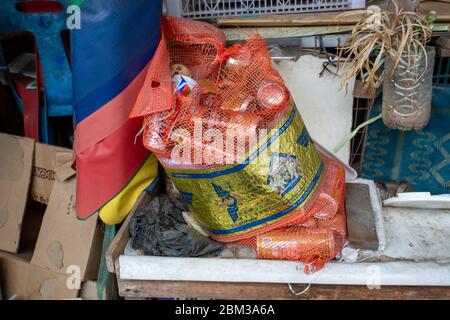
x=317, y=240
x=234, y=88
x=197, y=47
x=290, y=204
x=192, y=43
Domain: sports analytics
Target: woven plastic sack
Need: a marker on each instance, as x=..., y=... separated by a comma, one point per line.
x=319, y=239
x=229, y=135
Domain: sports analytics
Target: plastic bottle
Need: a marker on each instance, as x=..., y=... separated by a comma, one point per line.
x=407, y=92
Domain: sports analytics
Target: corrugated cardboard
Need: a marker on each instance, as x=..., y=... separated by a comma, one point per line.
x=65, y=240
x=89, y=291
x=31, y=224
x=21, y=280
x=52, y=237
x=44, y=167
x=16, y=158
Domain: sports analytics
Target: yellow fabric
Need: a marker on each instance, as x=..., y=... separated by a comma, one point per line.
x=118, y=208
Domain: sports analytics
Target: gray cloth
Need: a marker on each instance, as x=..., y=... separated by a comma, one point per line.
x=159, y=229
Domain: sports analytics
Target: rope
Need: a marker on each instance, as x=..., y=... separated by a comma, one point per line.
x=299, y=293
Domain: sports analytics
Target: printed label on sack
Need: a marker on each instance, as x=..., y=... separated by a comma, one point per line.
x=267, y=186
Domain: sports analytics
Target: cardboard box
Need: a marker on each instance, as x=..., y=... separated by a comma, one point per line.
x=46, y=158
x=64, y=240
x=16, y=158
x=21, y=280
x=46, y=239
x=89, y=291
x=31, y=225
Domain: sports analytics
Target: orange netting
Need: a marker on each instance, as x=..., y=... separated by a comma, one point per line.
x=318, y=239
x=194, y=44
x=194, y=82
x=234, y=89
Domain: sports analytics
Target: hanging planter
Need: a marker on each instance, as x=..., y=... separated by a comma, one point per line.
x=407, y=90
x=389, y=48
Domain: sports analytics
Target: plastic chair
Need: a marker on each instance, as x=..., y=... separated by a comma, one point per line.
x=45, y=20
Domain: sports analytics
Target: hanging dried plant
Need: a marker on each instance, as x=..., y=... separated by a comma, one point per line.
x=380, y=33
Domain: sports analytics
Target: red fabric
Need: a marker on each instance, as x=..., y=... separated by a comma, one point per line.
x=108, y=118
x=104, y=173
x=30, y=101
x=37, y=6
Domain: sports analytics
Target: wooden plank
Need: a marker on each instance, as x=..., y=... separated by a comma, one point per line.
x=360, y=92
x=440, y=29
x=329, y=18
x=233, y=34
x=264, y=291
x=408, y=5
x=444, y=1
x=442, y=9
x=121, y=239
x=442, y=52
x=443, y=41
x=295, y=20
x=361, y=225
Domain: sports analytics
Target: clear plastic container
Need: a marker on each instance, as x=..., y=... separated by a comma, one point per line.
x=407, y=93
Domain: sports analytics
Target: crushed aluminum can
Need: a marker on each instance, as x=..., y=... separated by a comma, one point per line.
x=183, y=85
